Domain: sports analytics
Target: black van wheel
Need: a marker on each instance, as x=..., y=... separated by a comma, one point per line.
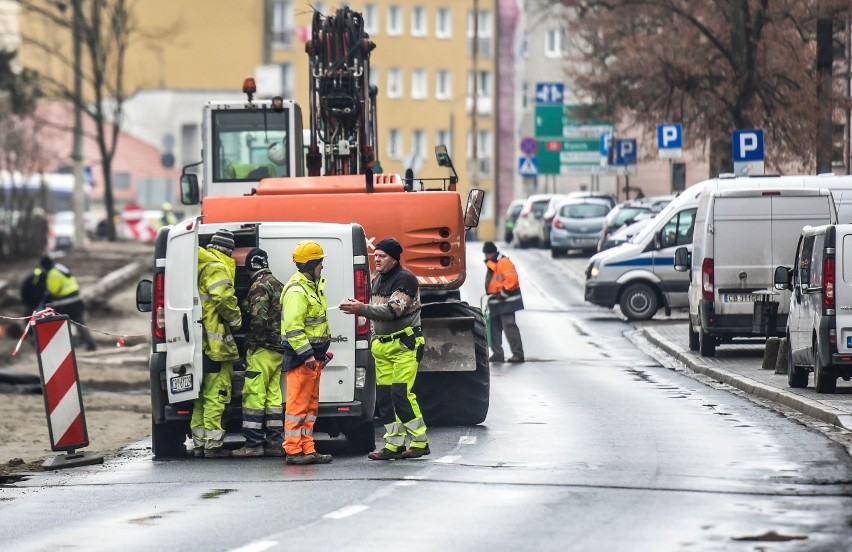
x=361, y=439
x=824, y=381
x=797, y=378
x=706, y=343
x=693, y=338
x=168, y=440
x=639, y=302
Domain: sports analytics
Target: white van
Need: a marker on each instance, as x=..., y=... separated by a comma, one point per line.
x=740, y=237
x=347, y=387
x=639, y=275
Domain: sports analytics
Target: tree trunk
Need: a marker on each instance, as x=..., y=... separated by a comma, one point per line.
x=825, y=61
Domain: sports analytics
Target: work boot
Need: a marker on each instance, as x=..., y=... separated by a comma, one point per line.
x=320, y=458
x=218, y=452
x=516, y=358
x=299, y=459
x=416, y=452
x=246, y=452
x=385, y=454
x=496, y=357
x=273, y=451
x=198, y=452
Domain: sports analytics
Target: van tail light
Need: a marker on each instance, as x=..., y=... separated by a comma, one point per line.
x=362, y=325
x=158, y=311
x=707, y=279
x=828, y=282
x=558, y=224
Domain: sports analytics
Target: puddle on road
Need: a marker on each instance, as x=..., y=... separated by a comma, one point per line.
x=770, y=536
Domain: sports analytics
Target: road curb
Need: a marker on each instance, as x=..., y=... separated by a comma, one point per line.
x=809, y=407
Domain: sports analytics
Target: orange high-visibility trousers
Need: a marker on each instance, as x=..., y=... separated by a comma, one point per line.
x=300, y=409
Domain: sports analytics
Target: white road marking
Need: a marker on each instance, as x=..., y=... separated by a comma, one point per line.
x=405, y=483
x=467, y=440
x=346, y=511
x=447, y=459
x=258, y=546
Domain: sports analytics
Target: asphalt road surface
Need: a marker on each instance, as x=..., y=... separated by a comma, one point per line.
x=594, y=444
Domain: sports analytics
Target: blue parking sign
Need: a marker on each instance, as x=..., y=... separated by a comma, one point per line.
x=748, y=145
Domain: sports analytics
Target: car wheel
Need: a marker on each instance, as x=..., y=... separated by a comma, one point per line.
x=639, y=302
x=824, y=380
x=797, y=378
x=555, y=252
x=693, y=338
x=706, y=343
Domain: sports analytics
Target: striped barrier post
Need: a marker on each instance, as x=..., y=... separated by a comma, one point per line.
x=63, y=400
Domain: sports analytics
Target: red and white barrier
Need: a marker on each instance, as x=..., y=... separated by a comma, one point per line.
x=63, y=401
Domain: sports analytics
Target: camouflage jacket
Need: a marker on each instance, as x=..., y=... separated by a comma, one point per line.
x=262, y=305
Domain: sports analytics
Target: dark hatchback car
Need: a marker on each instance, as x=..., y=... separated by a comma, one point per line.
x=621, y=214
x=511, y=217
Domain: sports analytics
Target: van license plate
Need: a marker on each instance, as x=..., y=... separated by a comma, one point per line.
x=181, y=383
x=741, y=297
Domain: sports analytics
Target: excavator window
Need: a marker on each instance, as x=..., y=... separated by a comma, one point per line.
x=250, y=145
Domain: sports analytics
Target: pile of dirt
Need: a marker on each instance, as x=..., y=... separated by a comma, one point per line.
x=113, y=378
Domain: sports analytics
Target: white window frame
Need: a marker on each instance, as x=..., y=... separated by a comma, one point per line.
x=485, y=32
x=394, y=24
x=418, y=137
x=371, y=19
x=443, y=23
x=374, y=77
x=443, y=137
x=395, y=82
x=283, y=24
x=419, y=84
x=394, y=144
x=485, y=86
x=419, y=21
x=443, y=84
x=554, y=43
x=485, y=151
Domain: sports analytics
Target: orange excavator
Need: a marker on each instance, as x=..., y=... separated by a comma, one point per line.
x=257, y=168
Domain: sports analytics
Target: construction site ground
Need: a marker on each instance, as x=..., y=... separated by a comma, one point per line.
x=113, y=378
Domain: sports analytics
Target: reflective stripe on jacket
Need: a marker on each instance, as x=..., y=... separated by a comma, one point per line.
x=220, y=311
x=304, y=320
x=501, y=276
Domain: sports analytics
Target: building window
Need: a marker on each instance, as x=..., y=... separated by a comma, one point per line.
x=418, y=144
x=554, y=43
x=374, y=77
x=371, y=19
x=395, y=82
x=395, y=144
x=485, y=33
x=484, y=157
x=483, y=84
x=444, y=138
x=419, y=25
x=419, y=85
x=394, y=20
x=443, y=23
x=443, y=84
x=121, y=181
x=283, y=24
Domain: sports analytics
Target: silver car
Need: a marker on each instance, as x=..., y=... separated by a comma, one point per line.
x=577, y=225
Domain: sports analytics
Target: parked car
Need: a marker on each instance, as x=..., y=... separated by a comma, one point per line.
x=623, y=213
x=511, y=217
x=577, y=225
x=547, y=220
x=527, y=227
x=658, y=203
x=62, y=232
x=628, y=231
x=597, y=195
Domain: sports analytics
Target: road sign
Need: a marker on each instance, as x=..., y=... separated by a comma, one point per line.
x=670, y=140
x=528, y=166
x=570, y=156
x=549, y=92
x=529, y=146
x=748, y=152
x=624, y=151
x=570, y=121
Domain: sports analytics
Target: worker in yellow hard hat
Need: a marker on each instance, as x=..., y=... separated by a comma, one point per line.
x=306, y=337
x=168, y=217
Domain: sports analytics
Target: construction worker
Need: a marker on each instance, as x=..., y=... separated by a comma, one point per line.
x=306, y=337
x=504, y=300
x=220, y=316
x=262, y=402
x=397, y=348
x=62, y=293
x=168, y=217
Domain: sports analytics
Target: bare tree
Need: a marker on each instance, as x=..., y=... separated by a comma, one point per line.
x=714, y=66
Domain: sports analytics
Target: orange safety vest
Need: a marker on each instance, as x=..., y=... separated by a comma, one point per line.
x=502, y=276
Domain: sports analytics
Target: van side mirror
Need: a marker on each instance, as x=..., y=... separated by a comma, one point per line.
x=144, y=295
x=189, y=189
x=783, y=278
x=474, y=208
x=682, y=259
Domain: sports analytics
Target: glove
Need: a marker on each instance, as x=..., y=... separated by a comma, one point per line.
x=313, y=364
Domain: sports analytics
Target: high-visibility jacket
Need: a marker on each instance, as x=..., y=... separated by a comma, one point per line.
x=501, y=276
x=304, y=320
x=220, y=310
x=60, y=284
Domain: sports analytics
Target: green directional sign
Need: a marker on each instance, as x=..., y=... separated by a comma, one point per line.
x=570, y=121
x=569, y=156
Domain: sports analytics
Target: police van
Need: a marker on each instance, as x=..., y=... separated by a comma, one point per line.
x=347, y=385
x=639, y=275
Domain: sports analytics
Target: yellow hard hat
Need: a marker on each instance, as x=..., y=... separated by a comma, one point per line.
x=167, y=206
x=307, y=251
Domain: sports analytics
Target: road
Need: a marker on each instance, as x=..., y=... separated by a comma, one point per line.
x=597, y=442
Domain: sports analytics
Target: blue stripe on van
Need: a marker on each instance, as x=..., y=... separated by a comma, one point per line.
x=644, y=261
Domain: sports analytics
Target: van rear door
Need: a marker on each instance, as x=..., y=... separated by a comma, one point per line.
x=843, y=287
x=182, y=314
x=279, y=240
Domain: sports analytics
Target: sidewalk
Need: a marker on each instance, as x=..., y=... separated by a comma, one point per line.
x=739, y=365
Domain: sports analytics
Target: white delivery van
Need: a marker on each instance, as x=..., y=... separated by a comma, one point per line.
x=819, y=324
x=639, y=275
x=347, y=387
x=740, y=237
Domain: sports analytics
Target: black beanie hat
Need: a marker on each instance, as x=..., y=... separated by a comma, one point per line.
x=257, y=259
x=391, y=247
x=223, y=239
x=489, y=247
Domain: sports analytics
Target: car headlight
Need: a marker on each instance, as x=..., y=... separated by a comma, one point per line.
x=594, y=272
